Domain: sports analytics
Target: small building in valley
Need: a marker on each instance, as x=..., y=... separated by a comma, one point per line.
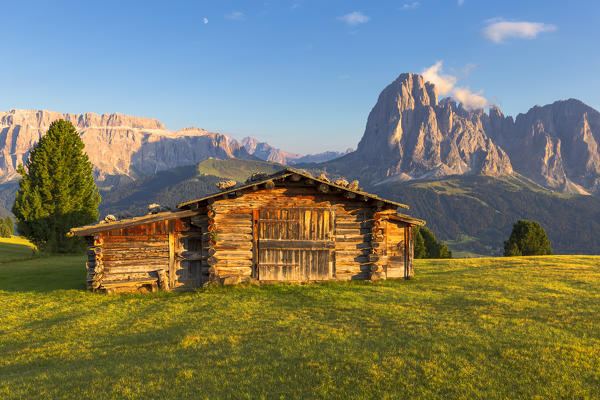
x=289, y=226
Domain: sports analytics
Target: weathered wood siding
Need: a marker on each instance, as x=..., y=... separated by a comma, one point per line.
x=236, y=220
x=137, y=253
x=396, y=256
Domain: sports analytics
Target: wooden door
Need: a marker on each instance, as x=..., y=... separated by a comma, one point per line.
x=186, y=272
x=295, y=244
x=396, y=250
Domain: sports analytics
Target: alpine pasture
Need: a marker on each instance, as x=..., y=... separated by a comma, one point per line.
x=522, y=327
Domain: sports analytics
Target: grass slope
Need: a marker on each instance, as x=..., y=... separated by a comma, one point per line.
x=176, y=185
x=234, y=168
x=476, y=213
x=16, y=248
x=478, y=328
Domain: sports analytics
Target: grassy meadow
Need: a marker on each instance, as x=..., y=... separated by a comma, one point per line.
x=473, y=328
x=16, y=248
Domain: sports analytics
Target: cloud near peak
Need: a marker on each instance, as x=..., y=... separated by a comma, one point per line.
x=497, y=29
x=355, y=18
x=446, y=84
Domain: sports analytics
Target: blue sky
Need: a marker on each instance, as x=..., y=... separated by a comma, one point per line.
x=302, y=75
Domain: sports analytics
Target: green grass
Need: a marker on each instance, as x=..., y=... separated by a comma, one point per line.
x=475, y=328
x=236, y=169
x=16, y=248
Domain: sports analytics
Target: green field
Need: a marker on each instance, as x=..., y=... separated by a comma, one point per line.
x=475, y=328
x=16, y=248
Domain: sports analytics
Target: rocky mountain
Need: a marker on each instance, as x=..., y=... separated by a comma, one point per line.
x=266, y=152
x=410, y=135
x=555, y=145
x=118, y=145
x=122, y=147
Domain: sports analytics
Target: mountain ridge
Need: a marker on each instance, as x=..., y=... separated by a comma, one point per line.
x=121, y=146
x=409, y=134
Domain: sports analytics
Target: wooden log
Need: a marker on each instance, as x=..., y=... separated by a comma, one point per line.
x=231, y=237
x=235, y=229
x=245, y=254
x=349, y=195
x=323, y=188
x=227, y=270
x=224, y=246
x=269, y=185
x=163, y=279
x=295, y=178
x=143, y=261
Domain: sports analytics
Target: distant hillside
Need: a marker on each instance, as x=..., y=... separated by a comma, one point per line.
x=475, y=213
x=173, y=186
x=471, y=213
x=236, y=169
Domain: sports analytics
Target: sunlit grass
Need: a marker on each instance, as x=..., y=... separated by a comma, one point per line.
x=474, y=328
x=16, y=248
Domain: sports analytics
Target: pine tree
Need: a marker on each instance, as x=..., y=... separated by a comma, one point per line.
x=430, y=247
x=57, y=190
x=527, y=238
x=419, y=246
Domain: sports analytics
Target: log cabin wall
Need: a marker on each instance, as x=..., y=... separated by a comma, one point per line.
x=283, y=209
x=134, y=255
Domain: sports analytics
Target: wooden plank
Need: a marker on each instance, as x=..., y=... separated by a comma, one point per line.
x=172, y=260
x=255, y=232
x=126, y=223
x=295, y=244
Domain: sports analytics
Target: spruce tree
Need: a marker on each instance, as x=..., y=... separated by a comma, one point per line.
x=427, y=246
x=57, y=190
x=419, y=244
x=527, y=238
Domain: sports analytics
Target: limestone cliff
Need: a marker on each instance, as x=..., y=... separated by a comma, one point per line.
x=116, y=144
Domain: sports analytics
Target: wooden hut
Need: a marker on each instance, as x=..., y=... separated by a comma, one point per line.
x=289, y=226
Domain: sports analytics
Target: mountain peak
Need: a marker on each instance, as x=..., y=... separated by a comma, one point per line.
x=408, y=133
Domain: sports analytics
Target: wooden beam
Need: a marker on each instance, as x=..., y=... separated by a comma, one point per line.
x=296, y=244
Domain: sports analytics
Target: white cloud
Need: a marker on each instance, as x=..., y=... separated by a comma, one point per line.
x=498, y=29
x=205, y=20
x=445, y=84
x=470, y=100
x=411, y=6
x=461, y=2
x=355, y=18
x=236, y=16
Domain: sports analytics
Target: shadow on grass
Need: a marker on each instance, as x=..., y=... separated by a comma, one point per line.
x=44, y=274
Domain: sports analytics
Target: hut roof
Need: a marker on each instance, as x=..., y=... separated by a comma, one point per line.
x=124, y=223
x=185, y=211
x=285, y=173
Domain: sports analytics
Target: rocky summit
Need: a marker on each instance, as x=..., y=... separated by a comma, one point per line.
x=411, y=135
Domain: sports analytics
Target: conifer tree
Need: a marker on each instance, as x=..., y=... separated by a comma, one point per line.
x=57, y=190
x=527, y=238
x=427, y=246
